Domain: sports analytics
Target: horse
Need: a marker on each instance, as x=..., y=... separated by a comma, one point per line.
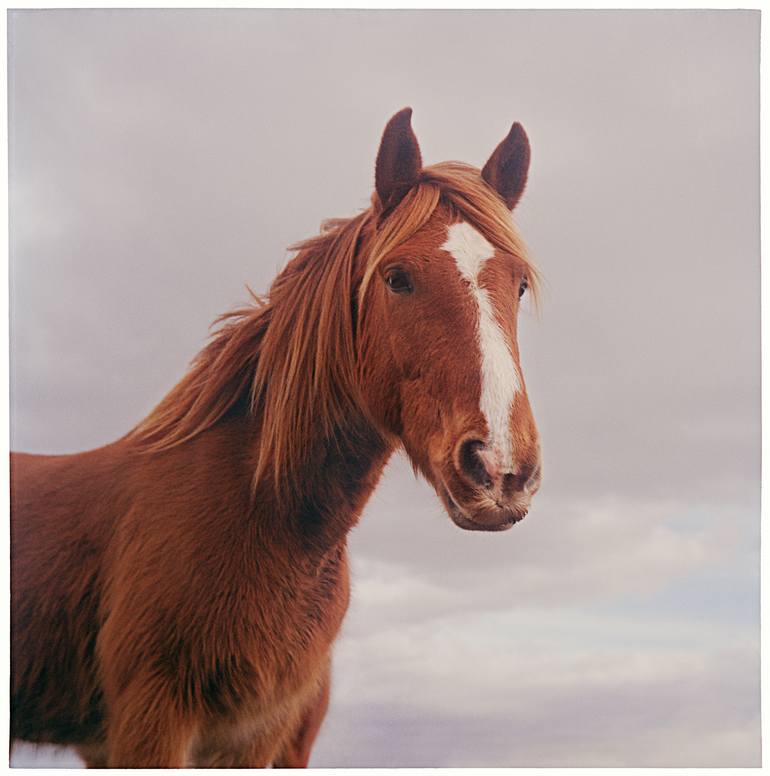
x=176, y=593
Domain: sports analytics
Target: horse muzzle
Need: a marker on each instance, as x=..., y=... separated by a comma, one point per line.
x=485, y=514
x=479, y=494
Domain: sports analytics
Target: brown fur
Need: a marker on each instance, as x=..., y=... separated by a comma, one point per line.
x=175, y=594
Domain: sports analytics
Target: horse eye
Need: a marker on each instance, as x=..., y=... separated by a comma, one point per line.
x=398, y=281
x=523, y=287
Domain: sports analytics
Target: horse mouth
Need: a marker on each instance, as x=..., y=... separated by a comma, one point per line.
x=497, y=519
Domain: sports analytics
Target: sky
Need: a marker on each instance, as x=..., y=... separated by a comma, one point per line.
x=161, y=160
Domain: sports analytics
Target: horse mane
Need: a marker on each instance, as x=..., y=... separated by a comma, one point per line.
x=291, y=356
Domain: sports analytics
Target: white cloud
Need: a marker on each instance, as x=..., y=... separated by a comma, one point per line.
x=155, y=169
x=406, y=562
x=547, y=691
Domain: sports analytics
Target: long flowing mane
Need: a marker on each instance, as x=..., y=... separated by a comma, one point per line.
x=290, y=357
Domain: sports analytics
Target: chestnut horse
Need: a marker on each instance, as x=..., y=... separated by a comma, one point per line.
x=176, y=594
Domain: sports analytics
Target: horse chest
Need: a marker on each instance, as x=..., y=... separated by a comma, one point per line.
x=286, y=663
x=305, y=614
x=315, y=606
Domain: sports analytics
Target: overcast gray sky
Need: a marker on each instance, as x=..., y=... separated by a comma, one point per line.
x=160, y=160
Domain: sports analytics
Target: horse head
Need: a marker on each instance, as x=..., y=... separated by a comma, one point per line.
x=442, y=277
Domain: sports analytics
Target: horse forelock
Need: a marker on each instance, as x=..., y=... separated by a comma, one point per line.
x=461, y=189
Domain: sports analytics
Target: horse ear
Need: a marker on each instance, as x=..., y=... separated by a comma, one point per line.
x=398, y=160
x=507, y=168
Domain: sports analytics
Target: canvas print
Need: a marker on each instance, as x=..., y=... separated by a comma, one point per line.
x=384, y=388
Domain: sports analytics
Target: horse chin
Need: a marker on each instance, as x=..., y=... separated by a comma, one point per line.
x=483, y=518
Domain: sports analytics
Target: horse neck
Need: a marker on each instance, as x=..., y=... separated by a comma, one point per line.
x=324, y=498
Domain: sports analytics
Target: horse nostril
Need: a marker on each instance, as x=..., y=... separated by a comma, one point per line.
x=525, y=479
x=533, y=483
x=471, y=464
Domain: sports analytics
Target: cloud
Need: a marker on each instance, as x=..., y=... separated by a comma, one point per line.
x=160, y=160
x=496, y=692
x=408, y=558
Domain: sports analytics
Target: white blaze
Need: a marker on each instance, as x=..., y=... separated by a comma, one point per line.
x=500, y=380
